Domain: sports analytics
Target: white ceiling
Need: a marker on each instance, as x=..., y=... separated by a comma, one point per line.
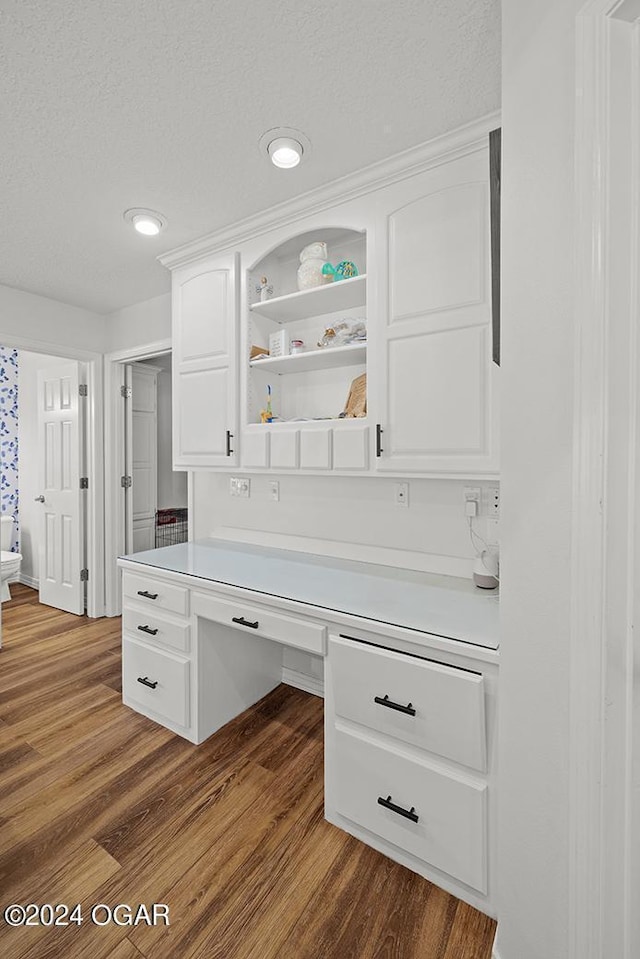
x=111, y=104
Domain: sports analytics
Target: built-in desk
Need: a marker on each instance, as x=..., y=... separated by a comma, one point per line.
x=410, y=684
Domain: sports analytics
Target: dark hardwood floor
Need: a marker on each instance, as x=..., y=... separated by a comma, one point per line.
x=101, y=806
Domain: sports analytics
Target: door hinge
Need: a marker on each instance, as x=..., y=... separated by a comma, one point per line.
x=126, y=482
x=126, y=392
x=83, y=389
x=84, y=575
x=84, y=482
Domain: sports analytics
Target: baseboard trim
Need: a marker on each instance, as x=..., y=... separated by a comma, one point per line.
x=27, y=581
x=310, y=684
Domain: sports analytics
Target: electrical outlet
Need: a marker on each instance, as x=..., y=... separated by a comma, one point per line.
x=274, y=486
x=493, y=502
x=240, y=486
x=402, y=494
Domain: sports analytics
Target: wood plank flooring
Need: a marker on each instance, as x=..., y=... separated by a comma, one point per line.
x=100, y=805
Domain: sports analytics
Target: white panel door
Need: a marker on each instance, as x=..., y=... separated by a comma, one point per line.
x=141, y=457
x=61, y=541
x=205, y=318
x=438, y=409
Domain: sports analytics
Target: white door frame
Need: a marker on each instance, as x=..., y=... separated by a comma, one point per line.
x=94, y=456
x=114, y=540
x=605, y=552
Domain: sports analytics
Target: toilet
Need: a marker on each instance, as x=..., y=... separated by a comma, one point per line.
x=9, y=562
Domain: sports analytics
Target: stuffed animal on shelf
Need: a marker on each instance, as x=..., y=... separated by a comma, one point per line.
x=343, y=270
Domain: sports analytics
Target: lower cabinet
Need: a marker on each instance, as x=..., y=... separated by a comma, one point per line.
x=409, y=764
x=409, y=727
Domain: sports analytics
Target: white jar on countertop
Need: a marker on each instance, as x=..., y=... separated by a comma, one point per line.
x=312, y=258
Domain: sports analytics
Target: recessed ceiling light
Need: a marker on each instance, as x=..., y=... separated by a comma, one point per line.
x=285, y=152
x=285, y=147
x=146, y=222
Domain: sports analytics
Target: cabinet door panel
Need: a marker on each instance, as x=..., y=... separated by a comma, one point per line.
x=205, y=315
x=204, y=300
x=438, y=387
x=436, y=393
x=202, y=420
x=437, y=252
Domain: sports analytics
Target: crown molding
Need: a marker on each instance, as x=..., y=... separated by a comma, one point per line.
x=448, y=146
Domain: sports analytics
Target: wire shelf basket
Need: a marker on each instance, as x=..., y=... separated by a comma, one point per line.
x=171, y=526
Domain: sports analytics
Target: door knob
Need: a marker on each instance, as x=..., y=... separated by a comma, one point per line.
x=39, y=499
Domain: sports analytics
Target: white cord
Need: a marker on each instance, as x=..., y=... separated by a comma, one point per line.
x=473, y=533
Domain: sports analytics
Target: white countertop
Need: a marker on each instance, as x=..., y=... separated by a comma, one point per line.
x=441, y=605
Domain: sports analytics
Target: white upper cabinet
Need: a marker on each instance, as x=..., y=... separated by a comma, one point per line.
x=205, y=344
x=423, y=371
x=436, y=381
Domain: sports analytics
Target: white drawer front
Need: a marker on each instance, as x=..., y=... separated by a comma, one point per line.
x=450, y=833
x=166, y=687
x=258, y=621
x=315, y=449
x=442, y=707
x=350, y=448
x=147, y=625
x=155, y=593
x=284, y=449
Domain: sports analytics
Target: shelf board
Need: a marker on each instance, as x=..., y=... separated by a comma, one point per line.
x=325, y=359
x=339, y=295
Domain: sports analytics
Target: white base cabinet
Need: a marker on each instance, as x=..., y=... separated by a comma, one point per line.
x=409, y=718
x=410, y=764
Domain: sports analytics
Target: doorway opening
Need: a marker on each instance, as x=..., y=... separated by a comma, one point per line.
x=147, y=502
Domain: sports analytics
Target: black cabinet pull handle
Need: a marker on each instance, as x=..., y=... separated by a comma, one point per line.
x=147, y=682
x=385, y=701
x=147, y=629
x=407, y=813
x=244, y=622
x=147, y=594
x=379, y=432
x=229, y=438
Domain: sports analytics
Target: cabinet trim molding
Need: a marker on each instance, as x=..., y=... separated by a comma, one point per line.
x=465, y=139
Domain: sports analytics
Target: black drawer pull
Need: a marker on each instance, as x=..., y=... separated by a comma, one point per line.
x=147, y=594
x=244, y=622
x=229, y=438
x=407, y=813
x=147, y=682
x=379, y=432
x=147, y=629
x=385, y=701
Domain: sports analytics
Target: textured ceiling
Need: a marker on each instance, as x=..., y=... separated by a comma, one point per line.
x=111, y=104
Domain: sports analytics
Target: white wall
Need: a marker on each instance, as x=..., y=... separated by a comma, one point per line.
x=25, y=316
x=536, y=432
x=28, y=456
x=347, y=510
x=136, y=325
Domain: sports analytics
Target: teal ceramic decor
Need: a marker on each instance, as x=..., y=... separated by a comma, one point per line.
x=344, y=270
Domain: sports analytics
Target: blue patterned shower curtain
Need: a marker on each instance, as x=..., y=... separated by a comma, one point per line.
x=9, y=437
